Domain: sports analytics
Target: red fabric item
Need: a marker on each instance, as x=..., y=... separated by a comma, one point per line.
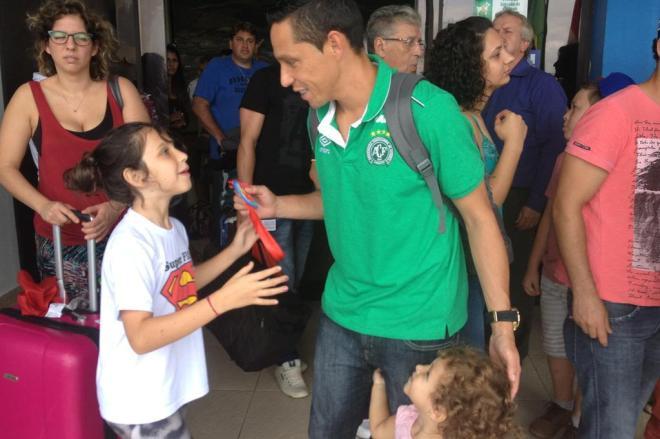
x=62, y=150
x=266, y=250
x=35, y=297
x=653, y=426
x=266, y=246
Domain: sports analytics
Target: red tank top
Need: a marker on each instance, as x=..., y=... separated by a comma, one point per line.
x=62, y=150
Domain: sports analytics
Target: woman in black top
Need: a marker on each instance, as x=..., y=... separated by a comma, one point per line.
x=177, y=92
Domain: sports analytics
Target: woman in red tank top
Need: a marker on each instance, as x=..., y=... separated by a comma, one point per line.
x=65, y=115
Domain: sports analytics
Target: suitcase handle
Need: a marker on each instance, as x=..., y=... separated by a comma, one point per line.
x=91, y=265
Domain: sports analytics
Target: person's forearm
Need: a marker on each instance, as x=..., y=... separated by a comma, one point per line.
x=205, y=117
x=502, y=176
x=212, y=268
x=378, y=408
x=16, y=184
x=245, y=161
x=541, y=239
x=307, y=206
x=152, y=333
x=572, y=240
x=490, y=260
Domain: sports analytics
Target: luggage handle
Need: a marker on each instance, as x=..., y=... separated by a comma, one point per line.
x=91, y=267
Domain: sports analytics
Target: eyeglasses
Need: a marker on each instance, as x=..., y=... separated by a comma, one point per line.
x=80, y=38
x=408, y=42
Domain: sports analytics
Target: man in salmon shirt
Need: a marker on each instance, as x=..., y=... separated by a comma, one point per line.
x=608, y=228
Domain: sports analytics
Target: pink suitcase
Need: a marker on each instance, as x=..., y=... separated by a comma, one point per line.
x=48, y=370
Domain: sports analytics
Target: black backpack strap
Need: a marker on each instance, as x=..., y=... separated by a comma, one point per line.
x=398, y=113
x=113, y=82
x=313, y=129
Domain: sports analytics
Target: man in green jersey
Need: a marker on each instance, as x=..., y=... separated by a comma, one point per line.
x=397, y=292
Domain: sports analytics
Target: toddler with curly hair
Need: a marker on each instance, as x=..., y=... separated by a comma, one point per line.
x=460, y=395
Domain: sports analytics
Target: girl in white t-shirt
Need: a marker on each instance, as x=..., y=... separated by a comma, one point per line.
x=151, y=353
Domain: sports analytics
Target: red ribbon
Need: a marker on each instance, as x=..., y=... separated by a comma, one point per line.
x=266, y=250
x=36, y=297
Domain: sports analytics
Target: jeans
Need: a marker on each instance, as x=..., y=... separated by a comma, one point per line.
x=295, y=237
x=474, y=331
x=343, y=367
x=221, y=198
x=616, y=381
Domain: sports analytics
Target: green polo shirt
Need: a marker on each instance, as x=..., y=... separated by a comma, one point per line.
x=394, y=275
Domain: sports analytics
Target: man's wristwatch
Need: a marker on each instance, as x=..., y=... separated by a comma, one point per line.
x=511, y=315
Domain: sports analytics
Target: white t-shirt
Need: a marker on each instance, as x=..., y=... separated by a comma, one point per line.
x=147, y=268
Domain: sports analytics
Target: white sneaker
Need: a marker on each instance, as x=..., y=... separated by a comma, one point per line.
x=289, y=378
x=363, y=431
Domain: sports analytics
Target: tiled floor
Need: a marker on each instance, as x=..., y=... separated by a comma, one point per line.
x=249, y=405
x=246, y=405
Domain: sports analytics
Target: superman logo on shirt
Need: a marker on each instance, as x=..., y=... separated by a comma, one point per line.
x=180, y=289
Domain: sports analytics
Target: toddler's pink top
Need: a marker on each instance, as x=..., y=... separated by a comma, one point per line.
x=406, y=415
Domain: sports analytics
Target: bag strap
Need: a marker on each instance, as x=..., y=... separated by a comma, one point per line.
x=313, y=129
x=113, y=82
x=398, y=113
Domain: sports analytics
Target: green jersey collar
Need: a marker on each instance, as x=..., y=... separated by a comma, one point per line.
x=374, y=106
x=381, y=89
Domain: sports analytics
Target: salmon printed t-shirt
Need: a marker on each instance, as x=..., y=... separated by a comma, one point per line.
x=621, y=134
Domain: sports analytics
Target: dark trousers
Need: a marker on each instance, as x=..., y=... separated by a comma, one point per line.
x=521, y=241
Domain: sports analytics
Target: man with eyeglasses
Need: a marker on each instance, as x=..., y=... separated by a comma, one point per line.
x=216, y=103
x=394, y=33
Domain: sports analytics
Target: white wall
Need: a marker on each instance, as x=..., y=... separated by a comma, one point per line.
x=8, y=244
x=559, y=22
x=152, y=26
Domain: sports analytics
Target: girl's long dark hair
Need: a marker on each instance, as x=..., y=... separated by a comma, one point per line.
x=103, y=168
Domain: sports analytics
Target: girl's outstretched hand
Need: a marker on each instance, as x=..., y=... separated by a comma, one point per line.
x=245, y=236
x=246, y=288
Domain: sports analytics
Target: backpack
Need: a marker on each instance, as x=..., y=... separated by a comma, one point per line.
x=256, y=337
x=400, y=122
x=404, y=134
